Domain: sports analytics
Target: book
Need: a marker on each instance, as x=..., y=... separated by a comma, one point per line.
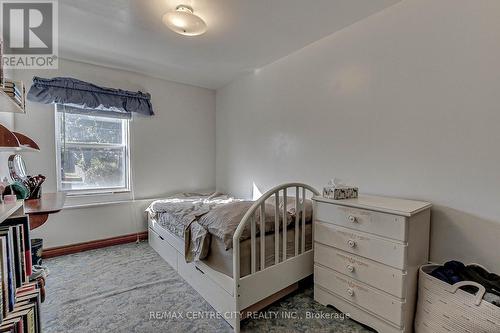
x=14, y=325
x=2, y=78
x=16, y=91
x=1, y=297
x=20, y=299
x=27, y=240
x=17, y=256
x=22, y=291
x=32, y=300
x=16, y=321
x=11, y=278
x=31, y=320
x=32, y=312
x=8, y=329
x=23, y=258
x=24, y=317
x=4, y=272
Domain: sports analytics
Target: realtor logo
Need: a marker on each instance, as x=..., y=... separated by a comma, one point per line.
x=29, y=34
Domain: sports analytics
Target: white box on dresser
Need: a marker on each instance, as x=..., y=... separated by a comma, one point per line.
x=367, y=252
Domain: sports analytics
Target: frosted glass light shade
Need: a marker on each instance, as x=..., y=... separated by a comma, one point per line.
x=184, y=22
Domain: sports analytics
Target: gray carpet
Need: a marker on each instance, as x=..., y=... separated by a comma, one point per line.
x=117, y=288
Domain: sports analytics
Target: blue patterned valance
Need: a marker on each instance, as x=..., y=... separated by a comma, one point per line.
x=87, y=96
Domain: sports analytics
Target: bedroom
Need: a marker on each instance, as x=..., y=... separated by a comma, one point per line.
x=396, y=98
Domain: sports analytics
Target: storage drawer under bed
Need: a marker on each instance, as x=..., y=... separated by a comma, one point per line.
x=171, y=249
x=163, y=248
x=204, y=284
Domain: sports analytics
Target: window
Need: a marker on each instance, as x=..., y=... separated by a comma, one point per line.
x=92, y=152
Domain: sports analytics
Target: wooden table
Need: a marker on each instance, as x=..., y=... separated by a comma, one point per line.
x=38, y=210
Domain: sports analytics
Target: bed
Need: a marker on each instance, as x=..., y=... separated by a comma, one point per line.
x=214, y=243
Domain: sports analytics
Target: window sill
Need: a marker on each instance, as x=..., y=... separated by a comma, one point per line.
x=79, y=200
x=76, y=194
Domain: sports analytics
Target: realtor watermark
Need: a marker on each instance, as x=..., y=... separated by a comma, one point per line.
x=290, y=315
x=30, y=34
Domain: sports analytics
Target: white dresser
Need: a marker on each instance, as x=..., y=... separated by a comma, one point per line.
x=367, y=252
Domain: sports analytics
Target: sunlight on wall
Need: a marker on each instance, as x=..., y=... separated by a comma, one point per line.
x=256, y=193
x=351, y=79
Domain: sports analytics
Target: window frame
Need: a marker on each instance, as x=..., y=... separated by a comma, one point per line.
x=97, y=191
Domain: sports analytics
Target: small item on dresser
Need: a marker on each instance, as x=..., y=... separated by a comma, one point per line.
x=9, y=198
x=34, y=183
x=17, y=189
x=337, y=190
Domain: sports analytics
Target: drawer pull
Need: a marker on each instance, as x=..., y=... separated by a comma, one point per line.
x=351, y=243
x=350, y=268
x=160, y=237
x=199, y=270
x=350, y=292
x=352, y=219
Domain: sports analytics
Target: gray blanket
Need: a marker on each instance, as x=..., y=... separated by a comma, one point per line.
x=182, y=212
x=196, y=217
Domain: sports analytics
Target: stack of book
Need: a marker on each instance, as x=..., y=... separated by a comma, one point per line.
x=19, y=298
x=16, y=91
x=1, y=63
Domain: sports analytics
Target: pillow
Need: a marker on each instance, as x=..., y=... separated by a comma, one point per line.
x=290, y=209
x=223, y=220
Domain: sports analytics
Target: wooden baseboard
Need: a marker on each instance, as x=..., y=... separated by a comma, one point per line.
x=92, y=245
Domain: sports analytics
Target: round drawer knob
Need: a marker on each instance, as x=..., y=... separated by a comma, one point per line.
x=352, y=219
x=350, y=268
x=350, y=292
x=351, y=243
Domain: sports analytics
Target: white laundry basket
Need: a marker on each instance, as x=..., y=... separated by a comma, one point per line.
x=444, y=308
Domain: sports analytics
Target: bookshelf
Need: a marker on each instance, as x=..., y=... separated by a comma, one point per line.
x=21, y=292
x=20, y=298
x=7, y=104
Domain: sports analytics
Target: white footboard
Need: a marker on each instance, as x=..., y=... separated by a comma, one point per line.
x=265, y=284
x=286, y=270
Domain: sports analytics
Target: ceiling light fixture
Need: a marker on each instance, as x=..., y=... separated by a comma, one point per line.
x=184, y=22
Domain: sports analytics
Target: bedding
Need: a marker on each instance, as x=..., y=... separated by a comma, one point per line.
x=223, y=220
x=178, y=214
x=196, y=217
x=221, y=259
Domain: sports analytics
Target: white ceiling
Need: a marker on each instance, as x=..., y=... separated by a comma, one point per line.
x=243, y=35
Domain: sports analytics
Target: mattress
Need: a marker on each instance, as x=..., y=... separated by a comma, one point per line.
x=221, y=259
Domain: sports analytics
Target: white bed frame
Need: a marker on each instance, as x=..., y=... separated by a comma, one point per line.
x=234, y=297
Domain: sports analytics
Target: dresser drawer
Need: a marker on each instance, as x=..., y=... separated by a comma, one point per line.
x=385, y=251
x=383, y=277
x=383, y=224
x=371, y=299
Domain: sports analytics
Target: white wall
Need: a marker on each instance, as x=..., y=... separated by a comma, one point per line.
x=404, y=103
x=171, y=151
x=7, y=120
